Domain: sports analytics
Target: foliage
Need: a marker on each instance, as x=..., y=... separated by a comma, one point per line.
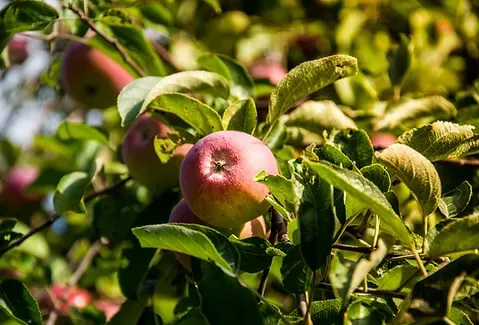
x=361, y=232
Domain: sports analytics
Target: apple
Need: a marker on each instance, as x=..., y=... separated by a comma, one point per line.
x=139, y=155
x=382, y=140
x=92, y=78
x=17, y=49
x=182, y=213
x=64, y=298
x=272, y=71
x=108, y=308
x=16, y=181
x=217, y=178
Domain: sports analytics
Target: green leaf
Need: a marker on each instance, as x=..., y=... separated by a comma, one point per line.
x=432, y=107
x=439, y=140
x=356, y=145
x=368, y=312
x=225, y=301
x=201, y=117
x=295, y=273
x=130, y=312
x=134, y=42
x=134, y=99
x=378, y=175
x=364, y=190
x=433, y=295
x=307, y=78
x=459, y=317
x=277, y=137
x=281, y=188
x=36, y=245
x=241, y=116
x=17, y=302
x=446, y=241
x=193, y=317
x=325, y=312
x=454, y=202
x=80, y=131
x=253, y=254
x=418, y=173
x=318, y=116
x=332, y=154
x=399, y=61
x=22, y=16
x=194, y=240
x=215, y=4
x=242, y=86
x=131, y=276
x=395, y=277
x=346, y=275
x=69, y=193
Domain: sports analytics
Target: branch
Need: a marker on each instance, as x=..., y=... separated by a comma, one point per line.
x=109, y=39
x=371, y=291
x=165, y=55
x=54, y=217
x=369, y=250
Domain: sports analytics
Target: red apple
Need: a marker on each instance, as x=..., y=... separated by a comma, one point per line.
x=182, y=213
x=64, y=298
x=382, y=140
x=108, y=308
x=14, y=192
x=143, y=163
x=217, y=178
x=92, y=78
x=17, y=49
x=272, y=71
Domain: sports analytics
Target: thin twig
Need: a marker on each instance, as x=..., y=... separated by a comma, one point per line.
x=109, y=39
x=371, y=291
x=165, y=55
x=369, y=250
x=54, y=217
x=82, y=267
x=272, y=240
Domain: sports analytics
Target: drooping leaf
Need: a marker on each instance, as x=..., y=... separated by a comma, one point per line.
x=296, y=275
x=332, y=154
x=130, y=312
x=435, y=107
x=253, y=252
x=395, y=277
x=225, y=301
x=132, y=275
x=132, y=101
x=242, y=86
x=378, y=175
x=439, y=140
x=22, y=16
x=318, y=116
x=399, y=61
x=306, y=78
x=194, y=240
x=281, y=188
x=456, y=236
x=69, y=193
x=241, y=116
x=454, y=202
x=418, y=173
x=18, y=304
x=364, y=190
x=201, y=117
x=80, y=131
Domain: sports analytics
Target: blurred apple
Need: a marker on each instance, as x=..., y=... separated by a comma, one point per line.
x=108, y=308
x=14, y=194
x=382, y=140
x=73, y=297
x=274, y=72
x=17, y=49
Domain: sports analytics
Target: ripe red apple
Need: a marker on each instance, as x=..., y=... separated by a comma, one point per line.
x=217, y=178
x=14, y=193
x=108, y=308
x=382, y=140
x=17, y=49
x=92, y=78
x=73, y=297
x=182, y=213
x=272, y=71
x=143, y=163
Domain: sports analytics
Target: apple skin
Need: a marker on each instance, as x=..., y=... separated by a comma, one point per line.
x=139, y=155
x=382, y=140
x=14, y=193
x=272, y=71
x=182, y=213
x=74, y=297
x=92, y=78
x=217, y=178
x=17, y=49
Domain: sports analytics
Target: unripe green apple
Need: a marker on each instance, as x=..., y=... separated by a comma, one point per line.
x=92, y=78
x=182, y=213
x=217, y=178
x=143, y=163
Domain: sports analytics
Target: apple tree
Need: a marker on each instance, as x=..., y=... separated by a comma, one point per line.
x=239, y=162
